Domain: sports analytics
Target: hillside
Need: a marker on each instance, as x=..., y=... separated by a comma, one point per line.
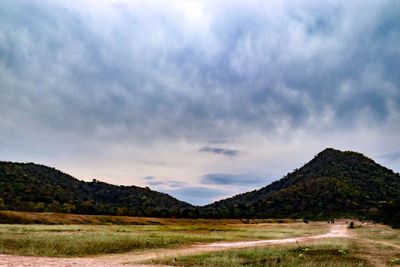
x=334, y=183
x=32, y=187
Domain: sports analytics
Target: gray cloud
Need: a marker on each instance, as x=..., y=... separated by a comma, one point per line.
x=234, y=179
x=86, y=78
x=217, y=150
x=176, y=184
x=149, y=76
x=152, y=181
x=155, y=183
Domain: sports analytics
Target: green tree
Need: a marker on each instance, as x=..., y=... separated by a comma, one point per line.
x=2, y=204
x=68, y=208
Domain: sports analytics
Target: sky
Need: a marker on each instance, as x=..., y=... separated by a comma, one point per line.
x=199, y=99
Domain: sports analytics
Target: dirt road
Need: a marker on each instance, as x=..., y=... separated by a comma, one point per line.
x=335, y=231
x=134, y=258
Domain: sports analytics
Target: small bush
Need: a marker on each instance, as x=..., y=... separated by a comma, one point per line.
x=395, y=260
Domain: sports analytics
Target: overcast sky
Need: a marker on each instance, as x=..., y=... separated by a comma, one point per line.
x=199, y=99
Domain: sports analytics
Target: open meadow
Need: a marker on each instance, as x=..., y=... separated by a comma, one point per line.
x=133, y=234
x=185, y=242
x=365, y=245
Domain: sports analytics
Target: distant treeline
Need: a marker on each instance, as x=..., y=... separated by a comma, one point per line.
x=334, y=184
x=32, y=187
x=389, y=213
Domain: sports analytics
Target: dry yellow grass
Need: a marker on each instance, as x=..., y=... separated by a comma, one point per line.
x=14, y=217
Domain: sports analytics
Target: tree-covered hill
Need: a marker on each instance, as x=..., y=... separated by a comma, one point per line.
x=32, y=187
x=334, y=183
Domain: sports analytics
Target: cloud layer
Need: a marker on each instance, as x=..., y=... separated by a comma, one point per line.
x=111, y=83
x=235, y=179
x=218, y=150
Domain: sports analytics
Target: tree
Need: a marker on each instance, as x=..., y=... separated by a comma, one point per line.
x=68, y=208
x=2, y=204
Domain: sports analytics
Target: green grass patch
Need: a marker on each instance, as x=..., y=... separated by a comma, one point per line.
x=335, y=253
x=379, y=232
x=80, y=244
x=80, y=240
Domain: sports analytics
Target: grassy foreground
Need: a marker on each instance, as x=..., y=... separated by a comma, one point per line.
x=381, y=233
x=332, y=253
x=81, y=240
x=372, y=245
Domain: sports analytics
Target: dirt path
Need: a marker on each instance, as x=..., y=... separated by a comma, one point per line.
x=335, y=231
x=135, y=258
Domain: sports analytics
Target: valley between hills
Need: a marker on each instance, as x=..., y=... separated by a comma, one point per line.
x=333, y=184
x=339, y=209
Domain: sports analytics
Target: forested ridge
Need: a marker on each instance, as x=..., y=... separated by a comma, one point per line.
x=333, y=184
x=33, y=187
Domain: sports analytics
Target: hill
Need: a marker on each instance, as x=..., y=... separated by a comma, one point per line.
x=32, y=187
x=334, y=183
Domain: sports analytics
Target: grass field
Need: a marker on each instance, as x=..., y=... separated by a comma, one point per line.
x=370, y=245
x=17, y=217
x=327, y=253
x=332, y=252
x=379, y=233
x=81, y=240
